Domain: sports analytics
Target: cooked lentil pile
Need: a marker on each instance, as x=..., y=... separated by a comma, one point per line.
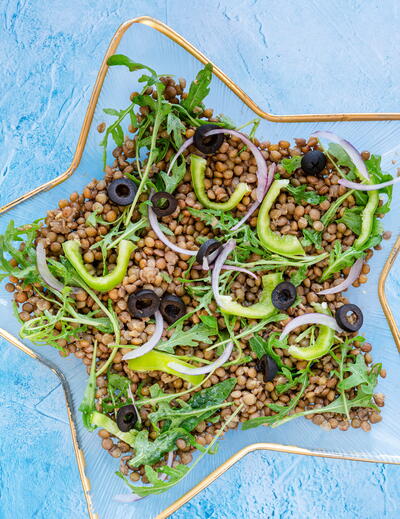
x=115, y=297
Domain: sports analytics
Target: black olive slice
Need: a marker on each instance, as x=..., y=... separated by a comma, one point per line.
x=313, y=162
x=122, y=191
x=143, y=303
x=207, y=251
x=349, y=317
x=284, y=295
x=172, y=308
x=267, y=366
x=126, y=418
x=207, y=145
x=164, y=203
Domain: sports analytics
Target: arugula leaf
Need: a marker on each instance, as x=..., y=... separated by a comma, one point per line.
x=26, y=269
x=311, y=236
x=149, y=452
x=121, y=59
x=291, y=164
x=176, y=127
x=339, y=259
x=177, y=473
x=352, y=219
x=299, y=276
x=263, y=347
x=226, y=122
x=197, y=333
x=377, y=176
x=199, y=89
x=361, y=375
x=281, y=410
x=172, y=180
x=300, y=194
x=88, y=404
x=118, y=393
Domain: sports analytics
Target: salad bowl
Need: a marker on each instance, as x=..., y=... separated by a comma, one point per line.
x=157, y=45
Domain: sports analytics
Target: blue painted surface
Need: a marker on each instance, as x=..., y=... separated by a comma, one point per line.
x=326, y=56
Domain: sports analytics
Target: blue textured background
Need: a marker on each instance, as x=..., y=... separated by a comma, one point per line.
x=339, y=55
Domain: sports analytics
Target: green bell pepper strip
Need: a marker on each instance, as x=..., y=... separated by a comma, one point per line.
x=285, y=245
x=367, y=219
x=103, y=421
x=198, y=169
x=322, y=344
x=72, y=252
x=261, y=310
x=158, y=361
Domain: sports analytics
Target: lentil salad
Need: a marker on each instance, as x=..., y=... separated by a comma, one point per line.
x=197, y=300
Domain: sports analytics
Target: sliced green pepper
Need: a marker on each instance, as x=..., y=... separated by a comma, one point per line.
x=72, y=252
x=103, y=421
x=322, y=344
x=285, y=245
x=261, y=310
x=158, y=361
x=367, y=219
x=198, y=169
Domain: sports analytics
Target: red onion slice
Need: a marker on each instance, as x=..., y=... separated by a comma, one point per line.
x=313, y=318
x=204, y=369
x=355, y=271
x=367, y=187
x=257, y=203
x=226, y=250
x=150, y=344
x=229, y=267
x=184, y=146
x=43, y=269
x=351, y=151
x=161, y=236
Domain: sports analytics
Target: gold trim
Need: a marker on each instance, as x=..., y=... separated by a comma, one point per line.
x=177, y=38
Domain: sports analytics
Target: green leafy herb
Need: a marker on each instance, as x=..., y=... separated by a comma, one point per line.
x=377, y=176
x=340, y=259
x=263, y=347
x=299, y=276
x=117, y=393
x=176, y=128
x=192, y=337
x=291, y=164
x=199, y=89
x=88, y=403
x=172, y=180
x=311, y=236
x=301, y=195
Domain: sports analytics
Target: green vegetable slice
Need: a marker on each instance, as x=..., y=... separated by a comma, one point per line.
x=103, y=283
x=198, y=169
x=261, y=310
x=321, y=346
x=158, y=361
x=286, y=245
x=367, y=219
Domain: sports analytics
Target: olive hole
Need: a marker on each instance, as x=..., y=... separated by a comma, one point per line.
x=172, y=310
x=141, y=304
x=351, y=317
x=128, y=418
x=162, y=203
x=210, y=140
x=122, y=190
x=285, y=295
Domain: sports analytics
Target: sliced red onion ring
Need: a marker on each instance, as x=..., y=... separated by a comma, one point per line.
x=150, y=344
x=161, y=236
x=367, y=187
x=204, y=369
x=313, y=318
x=256, y=204
x=227, y=249
x=355, y=271
x=229, y=267
x=44, y=270
x=184, y=146
x=351, y=151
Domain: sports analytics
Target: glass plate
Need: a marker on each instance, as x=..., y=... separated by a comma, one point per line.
x=155, y=44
